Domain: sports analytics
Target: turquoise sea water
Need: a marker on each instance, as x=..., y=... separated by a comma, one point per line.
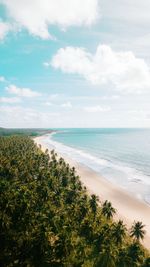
x=120, y=155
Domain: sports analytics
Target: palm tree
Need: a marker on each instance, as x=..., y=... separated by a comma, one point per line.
x=119, y=232
x=107, y=210
x=137, y=231
x=93, y=203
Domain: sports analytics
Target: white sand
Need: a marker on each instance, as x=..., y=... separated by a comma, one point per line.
x=129, y=209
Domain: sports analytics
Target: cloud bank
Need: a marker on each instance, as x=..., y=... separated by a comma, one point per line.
x=21, y=92
x=37, y=15
x=18, y=116
x=10, y=100
x=121, y=69
x=98, y=108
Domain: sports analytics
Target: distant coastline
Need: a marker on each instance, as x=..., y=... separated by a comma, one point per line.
x=24, y=131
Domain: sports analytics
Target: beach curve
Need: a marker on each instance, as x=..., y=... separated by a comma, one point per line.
x=129, y=209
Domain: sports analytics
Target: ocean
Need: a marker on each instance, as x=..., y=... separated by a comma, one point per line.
x=120, y=155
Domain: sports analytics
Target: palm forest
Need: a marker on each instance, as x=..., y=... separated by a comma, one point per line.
x=47, y=218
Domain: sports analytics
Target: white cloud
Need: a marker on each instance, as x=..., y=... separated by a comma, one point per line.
x=37, y=15
x=5, y=28
x=47, y=104
x=53, y=97
x=57, y=104
x=139, y=114
x=21, y=92
x=67, y=105
x=111, y=97
x=94, y=109
x=120, y=69
x=50, y=100
x=10, y=100
x=135, y=11
x=2, y=79
x=17, y=116
x=92, y=98
x=148, y=116
x=73, y=60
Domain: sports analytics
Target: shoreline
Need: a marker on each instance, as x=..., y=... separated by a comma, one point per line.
x=128, y=208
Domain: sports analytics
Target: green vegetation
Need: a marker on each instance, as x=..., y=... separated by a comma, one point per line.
x=25, y=132
x=137, y=231
x=47, y=218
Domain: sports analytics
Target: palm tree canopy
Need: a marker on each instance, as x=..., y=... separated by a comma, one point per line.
x=48, y=219
x=107, y=210
x=137, y=231
x=119, y=231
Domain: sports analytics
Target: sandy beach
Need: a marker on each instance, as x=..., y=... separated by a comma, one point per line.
x=128, y=208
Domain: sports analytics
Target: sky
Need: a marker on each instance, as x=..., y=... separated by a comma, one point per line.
x=72, y=63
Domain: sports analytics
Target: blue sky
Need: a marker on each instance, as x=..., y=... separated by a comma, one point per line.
x=67, y=64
